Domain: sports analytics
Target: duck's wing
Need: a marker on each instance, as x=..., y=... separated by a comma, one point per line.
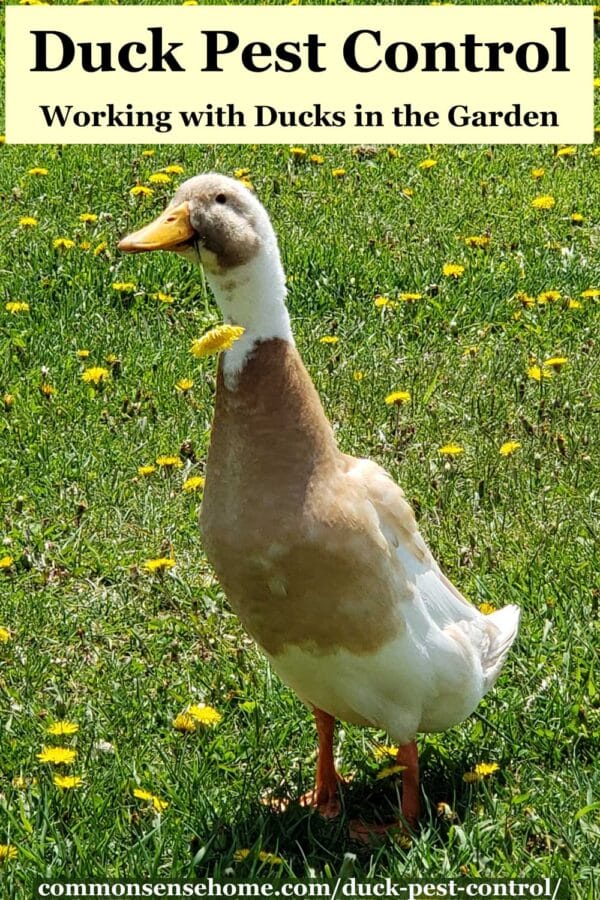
x=440, y=603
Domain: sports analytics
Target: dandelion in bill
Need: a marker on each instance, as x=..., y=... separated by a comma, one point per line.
x=217, y=339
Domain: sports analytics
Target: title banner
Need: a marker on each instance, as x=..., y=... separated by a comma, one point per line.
x=250, y=74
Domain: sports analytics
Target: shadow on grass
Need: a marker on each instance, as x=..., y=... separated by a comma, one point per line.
x=306, y=840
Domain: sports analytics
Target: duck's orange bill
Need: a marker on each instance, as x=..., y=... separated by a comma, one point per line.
x=171, y=231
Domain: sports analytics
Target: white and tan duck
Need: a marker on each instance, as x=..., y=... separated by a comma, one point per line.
x=318, y=552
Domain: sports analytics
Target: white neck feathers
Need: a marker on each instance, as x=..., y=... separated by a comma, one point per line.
x=251, y=295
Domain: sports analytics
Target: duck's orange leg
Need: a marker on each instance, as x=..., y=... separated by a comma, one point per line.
x=408, y=757
x=324, y=797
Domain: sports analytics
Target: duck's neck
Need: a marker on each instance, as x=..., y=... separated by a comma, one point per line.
x=253, y=296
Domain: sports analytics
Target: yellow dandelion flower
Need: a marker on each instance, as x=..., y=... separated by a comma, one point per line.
x=573, y=304
x=146, y=470
x=384, y=751
x=297, y=152
x=556, y=362
x=174, y=170
x=471, y=777
x=84, y=245
x=509, y=447
x=392, y=153
x=548, y=296
x=4, y=635
x=184, y=385
x=190, y=3
x=427, y=164
x=484, y=769
x=205, y=715
x=164, y=298
x=539, y=373
x=160, y=564
x=124, y=287
x=471, y=350
x=58, y=756
x=453, y=270
x=8, y=400
x=538, y=173
x=48, y=390
x=597, y=82
x=184, y=723
x=88, y=218
x=241, y=173
x=358, y=375
x=451, y=449
x=381, y=302
x=7, y=851
x=195, y=483
x=169, y=462
x=316, y=159
x=397, y=398
x=2, y=138
x=82, y=354
x=270, y=858
x=566, y=151
x=37, y=170
x=63, y=727
x=158, y=804
x=591, y=293
x=160, y=178
x=148, y=152
x=28, y=222
x=20, y=783
x=67, y=782
x=410, y=297
x=102, y=246
x=247, y=183
x=543, y=202
x=241, y=855
x=487, y=609
x=577, y=218
x=388, y=771
x=408, y=192
x=445, y=811
x=220, y=338
x=339, y=172
x=16, y=306
x=95, y=375
x=595, y=151
x=478, y=240
x=6, y=562
x=329, y=339
x=61, y=243
x=141, y=190
x=525, y=299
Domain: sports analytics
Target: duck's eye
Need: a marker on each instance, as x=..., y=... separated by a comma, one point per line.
x=221, y=198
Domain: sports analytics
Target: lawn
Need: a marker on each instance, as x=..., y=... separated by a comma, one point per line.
x=503, y=350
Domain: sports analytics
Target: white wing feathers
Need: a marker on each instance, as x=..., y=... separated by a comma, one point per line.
x=488, y=637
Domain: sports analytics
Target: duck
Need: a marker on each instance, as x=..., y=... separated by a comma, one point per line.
x=318, y=552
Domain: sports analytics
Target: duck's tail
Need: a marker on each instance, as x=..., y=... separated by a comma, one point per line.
x=505, y=624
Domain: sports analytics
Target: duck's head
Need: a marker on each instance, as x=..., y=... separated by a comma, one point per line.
x=213, y=220
x=218, y=222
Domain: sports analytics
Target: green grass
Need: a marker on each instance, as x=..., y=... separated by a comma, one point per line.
x=96, y=639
